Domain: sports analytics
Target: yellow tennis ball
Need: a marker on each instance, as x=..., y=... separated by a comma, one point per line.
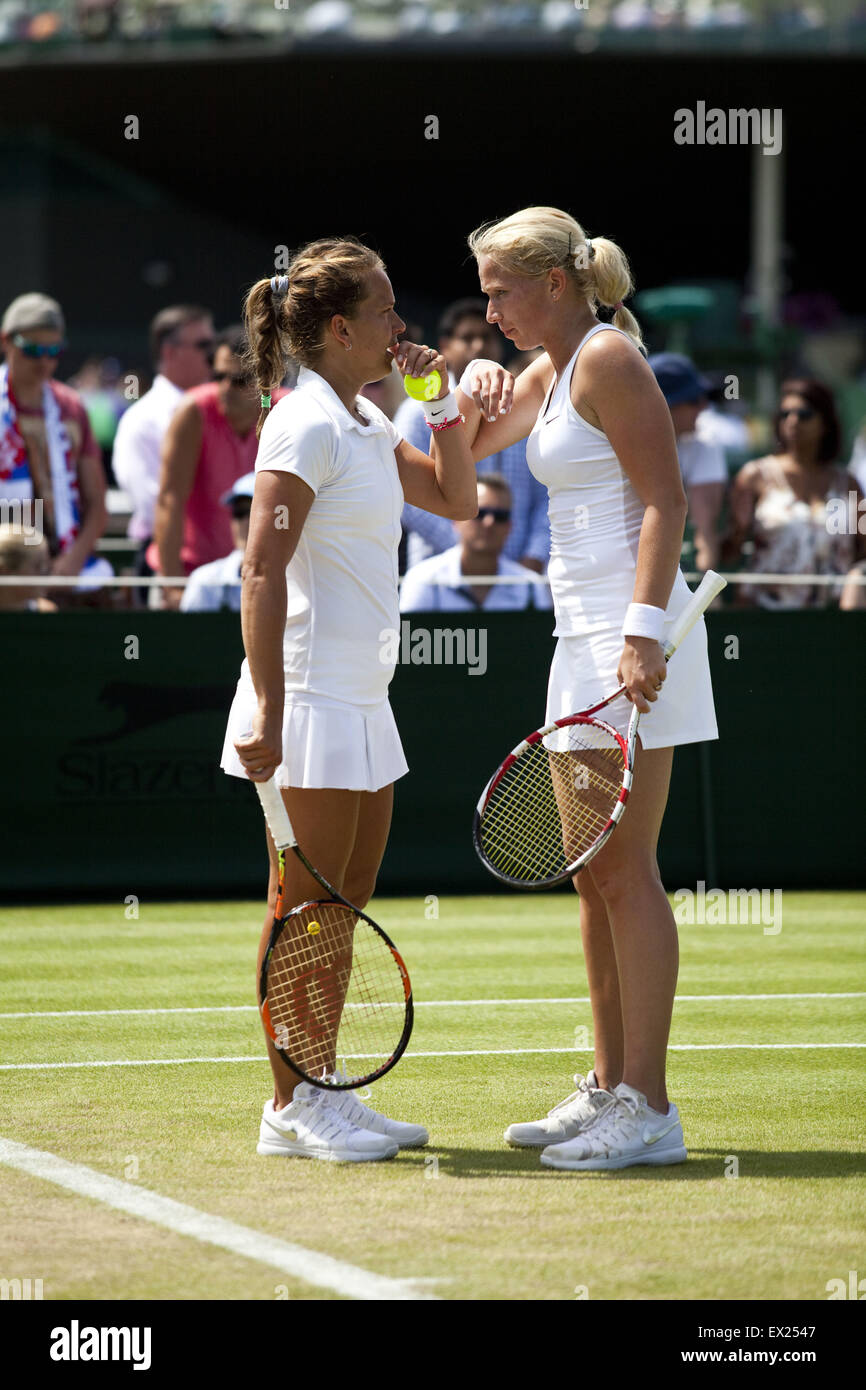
x=313, y=928
x=423, y=388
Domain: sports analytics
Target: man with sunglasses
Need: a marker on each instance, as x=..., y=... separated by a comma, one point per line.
x=182, y=346
x=210, y=444
x=50, y=463
x=444, y=582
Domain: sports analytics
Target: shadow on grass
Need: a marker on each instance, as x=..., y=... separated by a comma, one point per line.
x=709, y=1164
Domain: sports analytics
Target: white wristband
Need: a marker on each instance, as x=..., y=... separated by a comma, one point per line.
x=642, y=620
x=441, y=411
x=465, y=382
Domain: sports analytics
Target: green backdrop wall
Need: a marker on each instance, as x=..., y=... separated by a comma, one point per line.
x=113, y=726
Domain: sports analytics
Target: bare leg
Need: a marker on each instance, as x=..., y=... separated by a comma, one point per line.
x=344, y=834
x=603, y=978
x=643, y=933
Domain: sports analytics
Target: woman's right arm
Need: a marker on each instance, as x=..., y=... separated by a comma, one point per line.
x=280, y=506
x=522, y=399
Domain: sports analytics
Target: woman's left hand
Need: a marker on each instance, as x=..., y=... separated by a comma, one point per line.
x=642, y=670
x=416, y=359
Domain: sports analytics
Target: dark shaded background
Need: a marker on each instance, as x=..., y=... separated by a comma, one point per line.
x=286, y=149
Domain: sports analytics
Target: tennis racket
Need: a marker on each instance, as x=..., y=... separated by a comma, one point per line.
x=332, y=984
x=559, y=795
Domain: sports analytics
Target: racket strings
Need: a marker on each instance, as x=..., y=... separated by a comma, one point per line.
x=553, y=803
x=334, y=991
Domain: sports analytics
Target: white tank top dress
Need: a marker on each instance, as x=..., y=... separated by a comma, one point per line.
x=595, y=523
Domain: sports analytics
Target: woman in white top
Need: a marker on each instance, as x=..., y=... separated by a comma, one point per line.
x=601, y=439
x=319, y=590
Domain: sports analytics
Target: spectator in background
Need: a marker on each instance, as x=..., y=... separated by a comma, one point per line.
x=210, y=443
x=218, y=584
x=702, y=465
x=24, y=552
x=794, y=506
x=98, y=384
x=854, y=591
x=49, y=459
x=719, y=426
x=857, y=464
x=181, y=347
x=463, y=335
x=444, y=582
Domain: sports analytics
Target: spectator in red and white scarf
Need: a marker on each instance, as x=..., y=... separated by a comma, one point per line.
x=51, y=474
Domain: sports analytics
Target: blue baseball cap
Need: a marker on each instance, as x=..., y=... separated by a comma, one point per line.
x=243, y=488
x=679, y=378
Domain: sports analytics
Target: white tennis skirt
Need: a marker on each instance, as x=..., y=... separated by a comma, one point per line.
x=324, y=745
x=583, y=671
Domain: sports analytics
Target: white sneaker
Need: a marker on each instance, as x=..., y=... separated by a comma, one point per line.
x=625, y=1133
x=354, y=1110
x=311, y=1127
x=565, y=1120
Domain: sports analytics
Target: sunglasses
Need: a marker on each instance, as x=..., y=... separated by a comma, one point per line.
x=205, y=345
x=241, y=510
x=239, y=379
x=498, y=513
x=802, y=413
x=37, y=349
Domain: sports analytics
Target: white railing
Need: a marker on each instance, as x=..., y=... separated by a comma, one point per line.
x=159, y=581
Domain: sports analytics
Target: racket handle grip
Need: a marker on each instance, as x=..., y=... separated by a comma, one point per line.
x=710, y=585
x=276, y=814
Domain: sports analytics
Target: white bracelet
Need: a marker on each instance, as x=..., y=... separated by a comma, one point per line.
x=441, y=411
x=465, y=382
x=642, y=620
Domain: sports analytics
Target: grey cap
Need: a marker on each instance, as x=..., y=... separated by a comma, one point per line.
x=32, y=311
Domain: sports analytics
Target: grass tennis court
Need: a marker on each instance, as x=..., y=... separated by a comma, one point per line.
x=467, y=1217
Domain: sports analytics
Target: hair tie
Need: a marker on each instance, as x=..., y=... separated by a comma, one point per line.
x=590, y=249
x=280, y=286
x=618, y=305
x=266, y=400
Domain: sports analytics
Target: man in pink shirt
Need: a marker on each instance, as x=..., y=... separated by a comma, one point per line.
x=210, y=444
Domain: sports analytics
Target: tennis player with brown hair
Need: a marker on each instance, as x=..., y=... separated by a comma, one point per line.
x=600, y=438
x=319, y=589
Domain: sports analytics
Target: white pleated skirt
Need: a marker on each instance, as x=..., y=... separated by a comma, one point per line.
x=324, y=745
x=583, y=671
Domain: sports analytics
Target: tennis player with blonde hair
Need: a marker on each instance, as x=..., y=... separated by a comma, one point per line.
x=600, y=437
x=319, y=589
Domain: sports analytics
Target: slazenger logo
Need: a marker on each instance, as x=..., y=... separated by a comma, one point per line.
x=76, y=1343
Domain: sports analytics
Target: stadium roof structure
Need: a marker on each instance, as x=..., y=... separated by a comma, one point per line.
x=37, y=31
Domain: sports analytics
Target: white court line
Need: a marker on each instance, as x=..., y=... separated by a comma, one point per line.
x=474, y=1052
x=419, y=1004
x=322, y=1271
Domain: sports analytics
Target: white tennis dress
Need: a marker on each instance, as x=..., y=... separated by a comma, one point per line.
x=595, y=522
x=338, y=728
